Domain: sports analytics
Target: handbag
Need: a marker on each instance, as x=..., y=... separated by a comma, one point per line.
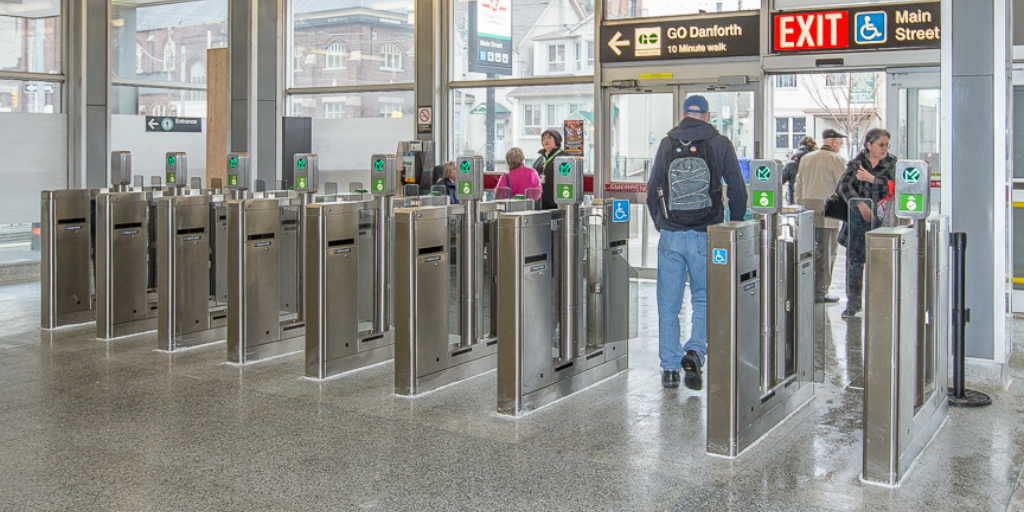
x=836, y=207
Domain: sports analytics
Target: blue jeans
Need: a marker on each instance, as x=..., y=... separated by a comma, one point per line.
x=681, y=253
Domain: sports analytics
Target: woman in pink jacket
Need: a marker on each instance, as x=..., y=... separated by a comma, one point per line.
x=519, y=177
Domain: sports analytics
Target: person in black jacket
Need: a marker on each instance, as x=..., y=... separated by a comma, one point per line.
x=807, y=145
x=863, y=185
x=683, y=249
x=545, y=166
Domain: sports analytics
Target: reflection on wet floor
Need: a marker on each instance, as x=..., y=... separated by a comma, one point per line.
x=91, y=425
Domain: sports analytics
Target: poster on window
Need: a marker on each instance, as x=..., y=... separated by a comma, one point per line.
x=572, y=142
x=490, y=37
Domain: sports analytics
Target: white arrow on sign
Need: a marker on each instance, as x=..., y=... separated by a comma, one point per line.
x=152, y=124
x=615, y=43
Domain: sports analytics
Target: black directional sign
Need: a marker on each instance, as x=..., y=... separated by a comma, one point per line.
x=174, y=124
x=736, y=35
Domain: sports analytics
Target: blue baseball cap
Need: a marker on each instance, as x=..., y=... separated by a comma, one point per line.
x=695, y=104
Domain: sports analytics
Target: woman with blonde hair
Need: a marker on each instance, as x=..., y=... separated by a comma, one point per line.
x=519, y=177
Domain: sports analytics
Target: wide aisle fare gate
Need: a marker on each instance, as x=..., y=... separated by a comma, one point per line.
x=67, y=258
x=259, y=325
x=444, y=286
x=348, y=256
x=760, y=304
x=906, y=318
x=563, y=303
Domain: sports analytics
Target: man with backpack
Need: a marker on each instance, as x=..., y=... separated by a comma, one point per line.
x=684, y=196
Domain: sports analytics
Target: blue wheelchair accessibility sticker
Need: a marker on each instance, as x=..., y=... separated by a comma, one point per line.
x=871, y=27
x=620, y=210
x=720, y=256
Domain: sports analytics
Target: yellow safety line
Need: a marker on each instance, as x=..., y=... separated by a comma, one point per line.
x=1018, y=204
x=1018, y=280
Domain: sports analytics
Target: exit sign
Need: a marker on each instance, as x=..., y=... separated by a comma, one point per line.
x=812, y=31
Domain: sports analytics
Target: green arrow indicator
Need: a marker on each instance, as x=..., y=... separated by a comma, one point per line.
x=233, y=162
x=565, y=169
x=171, y=160
x=763, y=173
x=911, y=175
x=378, y=165
x=301, y=165
x=466, y=165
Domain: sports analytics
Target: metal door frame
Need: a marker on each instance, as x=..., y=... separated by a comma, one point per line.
x=897, y=82
x=679, y=92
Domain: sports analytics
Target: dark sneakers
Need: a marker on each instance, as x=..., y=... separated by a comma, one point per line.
x=670, y=379
x=692, y=366
x=828, y=299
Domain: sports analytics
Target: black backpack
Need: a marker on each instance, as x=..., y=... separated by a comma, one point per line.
x=691, y=191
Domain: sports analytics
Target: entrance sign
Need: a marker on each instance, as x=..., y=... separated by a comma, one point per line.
x=490, y=36
x=736, y=35
x=174, y=124
x=887, y=27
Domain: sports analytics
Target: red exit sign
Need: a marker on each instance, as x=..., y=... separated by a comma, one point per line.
x=812, y=31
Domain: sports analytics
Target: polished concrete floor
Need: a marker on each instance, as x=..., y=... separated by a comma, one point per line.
x=93, y=425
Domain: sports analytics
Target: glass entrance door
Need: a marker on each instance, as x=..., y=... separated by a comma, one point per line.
x=640, y=120
x=913, y=112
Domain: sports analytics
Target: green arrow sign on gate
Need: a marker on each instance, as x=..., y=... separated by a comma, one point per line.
x=171, y=160
x=378, y=165
x=233, y=162
x=466, y=164
x=911, y=175
x=301, y=164
x=763, y=173
x=565, y=169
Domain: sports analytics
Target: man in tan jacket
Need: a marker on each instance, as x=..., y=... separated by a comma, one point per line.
x=816, y=180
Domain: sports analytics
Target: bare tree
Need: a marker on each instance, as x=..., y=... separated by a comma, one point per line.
x=835, y=94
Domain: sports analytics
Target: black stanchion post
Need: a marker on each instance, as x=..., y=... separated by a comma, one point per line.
x=958, y=395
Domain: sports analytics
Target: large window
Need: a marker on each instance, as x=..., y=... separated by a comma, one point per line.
x=371, y=40
x=368, y=123
x=641, y=8
x=33, y=130
x=543, y=38
x=520, y=115
x=161, y=42
x=30, y=44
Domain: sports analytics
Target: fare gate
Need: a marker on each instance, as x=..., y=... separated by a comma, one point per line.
x=67, y=238
x=348, y=256
x=444, y=285
x=906, y=318
x=760, y=372
x=192, y=240
x=265, y=271
x=563, y=311
x=126, y=279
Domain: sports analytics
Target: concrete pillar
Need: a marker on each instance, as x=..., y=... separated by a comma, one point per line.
x=977, y=105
